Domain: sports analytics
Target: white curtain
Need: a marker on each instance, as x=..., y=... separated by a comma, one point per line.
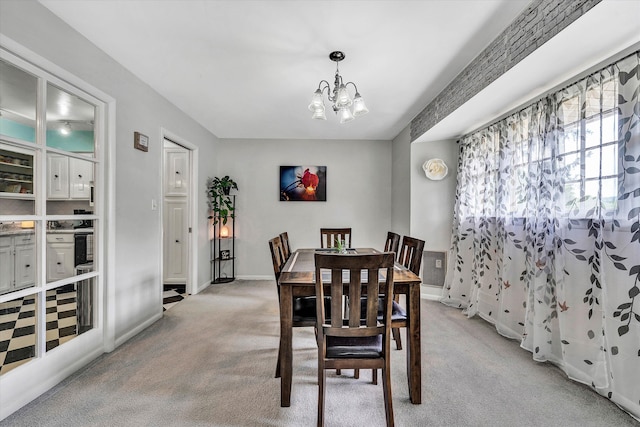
x=546, y=238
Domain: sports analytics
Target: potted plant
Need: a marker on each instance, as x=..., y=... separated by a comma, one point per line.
x=218, y=190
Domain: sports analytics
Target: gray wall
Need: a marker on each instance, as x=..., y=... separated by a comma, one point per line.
x=138, y=277
x=401, y=184
x=358, y=195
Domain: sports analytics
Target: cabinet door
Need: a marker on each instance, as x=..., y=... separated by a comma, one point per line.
x=177, y=173
x=6, y=264
x=59, y=260
x=176, y=242
x=25, y=266
x=58, y=177
x=80, y=177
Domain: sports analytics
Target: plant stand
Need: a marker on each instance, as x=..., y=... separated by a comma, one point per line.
x=223, y=257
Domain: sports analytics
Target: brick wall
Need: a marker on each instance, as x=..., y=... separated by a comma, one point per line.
x=537, y=24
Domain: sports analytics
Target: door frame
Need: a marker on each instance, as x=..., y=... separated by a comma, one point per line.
x=192, y=245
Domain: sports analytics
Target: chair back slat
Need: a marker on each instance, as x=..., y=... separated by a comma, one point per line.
x=411, y=254
x=328, y=237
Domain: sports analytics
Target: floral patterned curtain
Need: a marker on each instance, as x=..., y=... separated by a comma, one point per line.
x=546, y=237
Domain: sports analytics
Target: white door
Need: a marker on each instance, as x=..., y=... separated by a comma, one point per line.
x=176, y=214
x=176, y=241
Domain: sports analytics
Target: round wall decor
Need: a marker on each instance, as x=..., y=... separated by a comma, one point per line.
x=435, y=169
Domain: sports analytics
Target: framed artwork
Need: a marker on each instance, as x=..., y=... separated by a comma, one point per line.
x=303, y=183
x=225, y=254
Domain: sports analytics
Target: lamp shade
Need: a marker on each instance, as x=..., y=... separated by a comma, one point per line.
x=345, y=115
x=343, y=100
x=359, y=109
x=319, y=114
x=316, y=102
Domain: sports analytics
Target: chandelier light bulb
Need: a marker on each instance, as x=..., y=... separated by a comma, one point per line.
x=345, y=115
x=359, y=109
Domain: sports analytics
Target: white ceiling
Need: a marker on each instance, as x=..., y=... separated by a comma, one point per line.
x=247, y=69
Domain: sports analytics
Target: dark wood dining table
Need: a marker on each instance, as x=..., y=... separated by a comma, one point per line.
x=297, y=280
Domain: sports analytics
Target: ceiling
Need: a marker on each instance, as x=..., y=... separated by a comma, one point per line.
x=247, y=69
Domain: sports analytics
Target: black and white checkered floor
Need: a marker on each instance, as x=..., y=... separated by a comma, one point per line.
x=18, y=323
x=18, y=326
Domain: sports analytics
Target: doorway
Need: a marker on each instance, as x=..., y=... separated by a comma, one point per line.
x=177, y=200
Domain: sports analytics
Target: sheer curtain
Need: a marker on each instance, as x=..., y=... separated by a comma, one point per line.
x=546, y=236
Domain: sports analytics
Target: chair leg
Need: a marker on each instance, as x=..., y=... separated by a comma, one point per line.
x=278, y=364
x=374, y=376
x=338, y=371
x=386, y=387
x=356, y=373
x=396, y=337
x=321, y=386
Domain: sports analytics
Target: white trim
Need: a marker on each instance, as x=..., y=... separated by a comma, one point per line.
x=430, y=292
x=255, y=277
x=139, y=328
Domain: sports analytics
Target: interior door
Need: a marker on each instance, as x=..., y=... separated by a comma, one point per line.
x=176, y=193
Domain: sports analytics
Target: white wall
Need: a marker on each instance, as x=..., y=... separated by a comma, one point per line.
x=136, y=286
x=432, y=201
x=358, y=195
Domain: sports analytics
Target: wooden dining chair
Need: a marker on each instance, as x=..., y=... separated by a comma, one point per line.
x=354, y=338
x=328, y=237
x=286, y=248
x=304, y=308
x=392, y=243
x=411, y=257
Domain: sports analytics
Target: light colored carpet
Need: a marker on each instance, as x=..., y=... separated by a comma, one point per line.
x=210, y=361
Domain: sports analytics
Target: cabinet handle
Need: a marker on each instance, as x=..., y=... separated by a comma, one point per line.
x=177, y=172
x=79, y=176
x=55, y=176
x=177, y=241
x=58, y=263
x=28, y=265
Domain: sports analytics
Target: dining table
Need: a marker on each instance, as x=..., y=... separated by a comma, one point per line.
x=297, y=279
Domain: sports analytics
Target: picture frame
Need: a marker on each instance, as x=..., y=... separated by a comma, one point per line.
x=140, y=141
x=303, y=183
x=225, y=254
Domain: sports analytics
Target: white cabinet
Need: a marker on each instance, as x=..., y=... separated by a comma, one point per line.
x=68, y=178
x=60, y=256
x=80, y=177
x=17, y=262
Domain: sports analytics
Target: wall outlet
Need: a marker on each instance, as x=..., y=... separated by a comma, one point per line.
x=438, y=263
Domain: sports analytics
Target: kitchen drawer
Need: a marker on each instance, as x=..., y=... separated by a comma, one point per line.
x=60, y=238
x=24, y=239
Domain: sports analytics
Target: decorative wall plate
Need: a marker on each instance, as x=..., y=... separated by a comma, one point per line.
x=435, y=169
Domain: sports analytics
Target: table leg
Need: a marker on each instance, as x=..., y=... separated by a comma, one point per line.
x=286, y=350
x=414, y=366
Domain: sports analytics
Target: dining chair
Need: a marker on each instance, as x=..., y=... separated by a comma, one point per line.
x=328, y=237
x=392, y=242
x=411, y=257
x=354, y=338
x=286, y=248
x=304, y=308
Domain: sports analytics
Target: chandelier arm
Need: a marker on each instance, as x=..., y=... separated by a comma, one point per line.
x=352, y=83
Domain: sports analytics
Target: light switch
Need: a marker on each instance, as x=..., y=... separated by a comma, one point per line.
x=154, y=205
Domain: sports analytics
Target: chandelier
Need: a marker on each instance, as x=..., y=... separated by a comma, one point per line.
x=342, y=104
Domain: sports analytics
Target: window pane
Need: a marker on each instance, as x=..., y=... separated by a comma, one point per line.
x=608, y=95
x=592, y=132
x=570, y=141
x=610, y=193
x=609, y=160
x=592, y=163
x=17, y=181
x=592, y=102
x=572, y=163
x=17, y=103
x=18, y=256
x=70, y=312
x=609, y=128
x=570, y=110
x=70, y=247
x=19, y=334
x=70, y=185
x=70, y=122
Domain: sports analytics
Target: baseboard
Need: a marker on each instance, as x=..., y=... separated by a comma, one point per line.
x=431, y=292
x=135, y=331
x=256, y=277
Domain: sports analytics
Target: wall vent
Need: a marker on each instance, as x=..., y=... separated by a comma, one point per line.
x=434, y=267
